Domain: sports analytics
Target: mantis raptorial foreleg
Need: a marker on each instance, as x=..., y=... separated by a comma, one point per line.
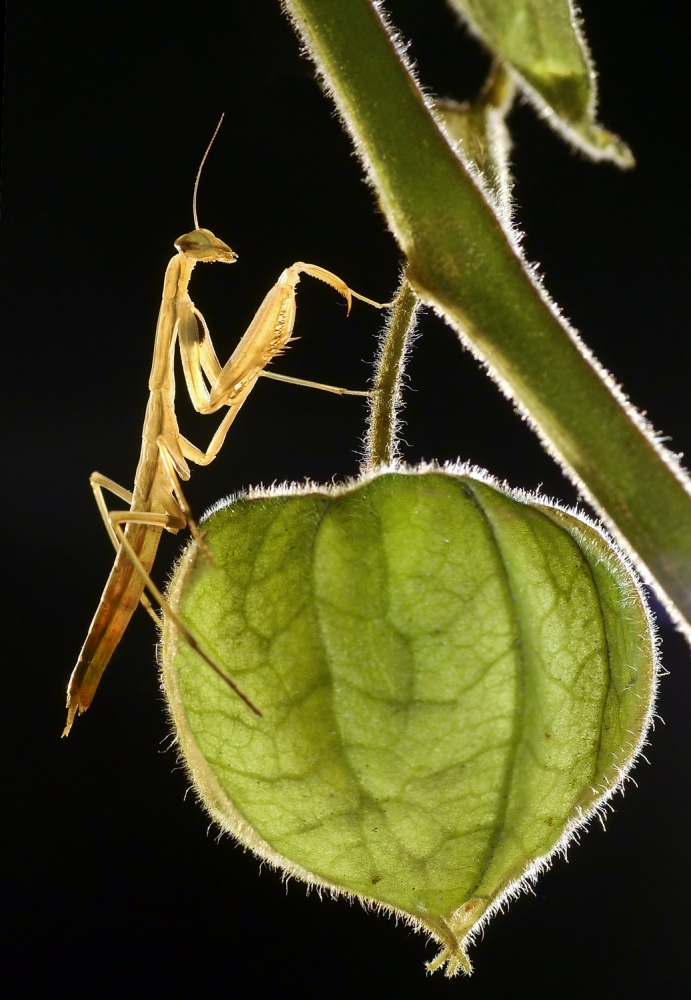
x=267, y=336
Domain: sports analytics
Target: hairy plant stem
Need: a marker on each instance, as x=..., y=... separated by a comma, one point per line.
x=467, y=264
x=382, y=447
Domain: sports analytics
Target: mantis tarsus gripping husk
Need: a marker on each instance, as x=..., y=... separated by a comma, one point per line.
x=157, y=502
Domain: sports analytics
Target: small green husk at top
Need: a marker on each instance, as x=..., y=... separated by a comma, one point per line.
x=453, y=677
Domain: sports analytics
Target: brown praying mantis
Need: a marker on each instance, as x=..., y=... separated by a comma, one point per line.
x=157, y=501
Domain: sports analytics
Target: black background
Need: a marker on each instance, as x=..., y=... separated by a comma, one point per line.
x=112, y=884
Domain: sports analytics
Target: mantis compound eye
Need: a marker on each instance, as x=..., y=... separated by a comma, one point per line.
x=453, y=679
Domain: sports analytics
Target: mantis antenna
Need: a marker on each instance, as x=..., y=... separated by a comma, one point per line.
x=199, y=172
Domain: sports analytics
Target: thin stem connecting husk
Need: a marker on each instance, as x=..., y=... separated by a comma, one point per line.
x=382, y=442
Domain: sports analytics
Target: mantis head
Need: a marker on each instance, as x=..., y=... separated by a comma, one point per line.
x=201, y=244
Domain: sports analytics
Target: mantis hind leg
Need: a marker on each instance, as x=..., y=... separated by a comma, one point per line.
x=100, y=483
x=117, y=518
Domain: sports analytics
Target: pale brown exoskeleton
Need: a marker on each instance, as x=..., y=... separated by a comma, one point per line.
x=157, y=502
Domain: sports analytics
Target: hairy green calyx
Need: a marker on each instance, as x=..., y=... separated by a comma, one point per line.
x=451, y=680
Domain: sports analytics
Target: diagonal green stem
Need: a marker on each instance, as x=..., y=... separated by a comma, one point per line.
x=467, y=266
x=382, y=433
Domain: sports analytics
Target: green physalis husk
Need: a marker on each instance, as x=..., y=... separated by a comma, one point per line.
x=452, y=677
